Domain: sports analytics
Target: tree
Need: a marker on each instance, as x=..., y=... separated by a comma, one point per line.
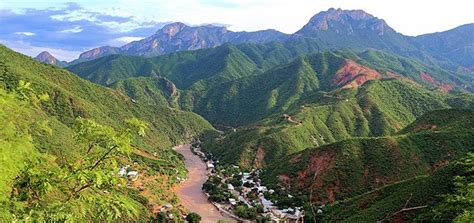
x=245, y=212
x=193, y=218
x=459, y=206
x=82, y=187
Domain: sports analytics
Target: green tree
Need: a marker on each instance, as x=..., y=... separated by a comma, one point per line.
x=85, y=186
x=459, y=206
x=193, y=218
x=246, y=212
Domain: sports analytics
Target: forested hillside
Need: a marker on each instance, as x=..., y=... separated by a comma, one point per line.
x=52, y=115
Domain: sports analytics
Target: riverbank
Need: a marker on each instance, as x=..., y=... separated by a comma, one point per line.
x=190, y=192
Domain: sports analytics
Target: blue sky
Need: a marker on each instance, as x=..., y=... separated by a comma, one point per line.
x=68, y=28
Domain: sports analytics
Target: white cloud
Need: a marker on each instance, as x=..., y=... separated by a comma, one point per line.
x=406, y=16
x=127, y=39
x=76, y=29
x=25, y=33
x=27, y=49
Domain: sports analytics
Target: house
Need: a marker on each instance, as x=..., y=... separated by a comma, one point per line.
x=122, y=171
x=166, y=207
x=210, y=165
x=230, y=187
x=262, y=189
x=267, y=204
x=232, y=201
x=132, y=175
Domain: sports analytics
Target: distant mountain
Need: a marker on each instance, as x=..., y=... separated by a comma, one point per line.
x=456, y=45
x=331, y=29
x=355, y=29
x=178, y=36
x=47, y=58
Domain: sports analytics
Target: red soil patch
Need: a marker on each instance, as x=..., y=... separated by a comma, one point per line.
x=441, y=163
x=330, y=191
x=296, y=158
x=444, y=87
x=352, y=75
x=260, y=157
x=428, y=78
x=425, y=127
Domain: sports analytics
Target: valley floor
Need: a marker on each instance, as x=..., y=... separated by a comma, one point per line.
x=190, y=192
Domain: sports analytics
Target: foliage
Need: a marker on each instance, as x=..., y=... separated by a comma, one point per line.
x=459, y=204
x=193, y=218
x=246, y=212
x=50, y=192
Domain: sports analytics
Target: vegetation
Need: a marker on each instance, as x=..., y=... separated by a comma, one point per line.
x=217, y=190
x=416, y=199
x=246, y=212
x=193, y=218
x=64, y=138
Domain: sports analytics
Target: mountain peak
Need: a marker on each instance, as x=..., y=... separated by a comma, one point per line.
x=345, y=22
x=172, y=28
x=48, y=58
x=44, y=56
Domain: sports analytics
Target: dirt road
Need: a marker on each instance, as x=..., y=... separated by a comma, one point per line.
x=190, y=193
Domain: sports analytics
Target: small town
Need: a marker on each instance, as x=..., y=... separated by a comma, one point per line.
x=242, y=195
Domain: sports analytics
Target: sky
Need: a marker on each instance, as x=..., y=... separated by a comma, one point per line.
x=66, y=28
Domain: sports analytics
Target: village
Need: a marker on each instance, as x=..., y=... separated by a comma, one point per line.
x=242, y=194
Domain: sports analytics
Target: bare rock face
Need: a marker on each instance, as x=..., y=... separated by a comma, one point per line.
x=171, y=88
x=344, y=22
x=47, y=58
x=178, y=36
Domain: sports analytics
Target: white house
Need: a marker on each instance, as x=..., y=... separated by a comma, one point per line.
x=133, y=175
x=232, y=201
x=122, y=171
x=210, y=165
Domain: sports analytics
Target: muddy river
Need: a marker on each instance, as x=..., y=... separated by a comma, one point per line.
x=190, y=193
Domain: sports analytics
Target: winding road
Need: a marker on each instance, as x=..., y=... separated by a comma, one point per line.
x=190, y=192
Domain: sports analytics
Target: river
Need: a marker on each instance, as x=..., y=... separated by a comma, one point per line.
x=190, y=193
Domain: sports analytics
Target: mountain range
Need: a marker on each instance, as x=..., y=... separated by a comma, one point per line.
x=335, y=28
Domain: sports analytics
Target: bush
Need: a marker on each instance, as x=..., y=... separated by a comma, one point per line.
x=193, y=218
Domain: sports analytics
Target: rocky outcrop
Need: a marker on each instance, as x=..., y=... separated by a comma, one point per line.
x=47, y=58
x=344, y=22
x=170, y=88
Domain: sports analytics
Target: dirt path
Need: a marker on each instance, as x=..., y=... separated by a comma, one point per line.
x=190, y=193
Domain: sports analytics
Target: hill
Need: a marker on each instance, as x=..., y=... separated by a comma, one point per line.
x=455, y=45
x=423, y=198
x=70, y=97
x=47, y=58
x=237, y=73
x=377, y=108
x=349, y=168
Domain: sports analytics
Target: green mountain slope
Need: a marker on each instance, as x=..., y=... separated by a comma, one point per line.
x=357, y=165
x=237, y=85
x=71, y=97
x=377, y=108
x=421, y=199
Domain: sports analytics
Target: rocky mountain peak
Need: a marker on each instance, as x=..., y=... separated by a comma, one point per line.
x=172, y=29
x=48, y=58
x=45, y=56
x=344, y=22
